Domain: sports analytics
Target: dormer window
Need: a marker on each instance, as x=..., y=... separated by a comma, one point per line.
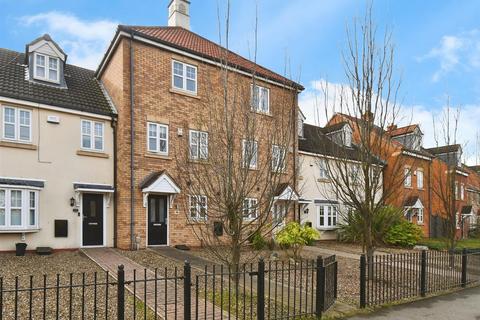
x=46, y=68
x=347, y=136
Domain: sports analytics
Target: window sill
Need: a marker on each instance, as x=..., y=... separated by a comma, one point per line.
x=157, y=156
x=96, y=154
x=196, y=221
x=18, y=145
x=407, y=187
x=268, y=114
x=324, y=180
x=32, y=230
x=327, y=228
x=184, y=93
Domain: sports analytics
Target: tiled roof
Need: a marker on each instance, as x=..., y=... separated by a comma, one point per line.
x=315, y=141
x=186, y=40
x=83, y=92
x=403, y=130
x=334, y=127
x=410, y=201
x=445, y=149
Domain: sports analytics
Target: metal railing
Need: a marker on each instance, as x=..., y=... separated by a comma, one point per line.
x=395, y=277
x=262, y=290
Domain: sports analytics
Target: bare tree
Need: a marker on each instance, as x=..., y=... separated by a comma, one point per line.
x=368, y=104
x=242, y=157
x=446, y=177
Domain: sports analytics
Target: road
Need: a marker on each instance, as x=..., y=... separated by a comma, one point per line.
x=460, y=305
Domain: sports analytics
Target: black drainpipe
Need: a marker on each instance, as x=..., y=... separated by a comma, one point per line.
x=132, y=149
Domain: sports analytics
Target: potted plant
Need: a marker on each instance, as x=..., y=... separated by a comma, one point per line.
x=20, y=248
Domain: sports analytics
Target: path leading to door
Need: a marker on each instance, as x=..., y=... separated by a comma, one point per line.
x=458, y=305
x=109, y=260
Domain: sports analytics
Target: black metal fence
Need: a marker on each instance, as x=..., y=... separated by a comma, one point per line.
x=394, y=277
x=263, y=290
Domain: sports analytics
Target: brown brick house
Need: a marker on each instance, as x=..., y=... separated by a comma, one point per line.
x=162, y=80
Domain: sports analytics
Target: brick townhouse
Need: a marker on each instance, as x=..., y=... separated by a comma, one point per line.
x=162, y=80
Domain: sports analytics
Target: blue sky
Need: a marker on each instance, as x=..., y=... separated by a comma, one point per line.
x=437, y=42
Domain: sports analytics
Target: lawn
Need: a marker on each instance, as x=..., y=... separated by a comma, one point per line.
x=441, y=244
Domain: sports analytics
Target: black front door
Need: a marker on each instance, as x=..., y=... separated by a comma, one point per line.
x=92, y=207
x=157, y=220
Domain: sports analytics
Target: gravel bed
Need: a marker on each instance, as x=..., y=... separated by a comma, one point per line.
x=357, y=248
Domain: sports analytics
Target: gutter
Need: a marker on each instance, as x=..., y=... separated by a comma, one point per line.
x=132, y=149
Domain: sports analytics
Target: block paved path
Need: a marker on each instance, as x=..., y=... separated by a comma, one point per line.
x=109, y=260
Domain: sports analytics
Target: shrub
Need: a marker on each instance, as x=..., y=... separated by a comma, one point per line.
x=294, y=236
x=353, y=226
x=404, y=233
x=258, y=241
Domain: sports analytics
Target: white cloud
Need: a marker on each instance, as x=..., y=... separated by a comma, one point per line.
x=455, y=52
x=84, y=41
x=312, y=103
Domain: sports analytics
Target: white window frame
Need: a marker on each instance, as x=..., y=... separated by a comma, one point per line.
x=407, y=177
x=420, y=214
x=184, y=77
x=198, y=151
x=279, y=213
x=323, y=169
x=328, y=211
x=197, y=207
x=16, y=124
x=279, y=158
x=456, y=190
x=256, y=104
x=92, y=135
x=420, y=182
x=250, y=209
x=158, y=139
x=457, y=220
x=462, y=191
x=254, y=158
x=24, y=209
x=46, y=67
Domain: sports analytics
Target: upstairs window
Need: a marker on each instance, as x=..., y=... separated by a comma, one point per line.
x=17, y=124
x=419, y=179
x=278, y=158
x=46, y=68
x=184, y=77
x=158, y=138
x=198, y=145
x=407, y=177
x=260, y=99
x=322, y=163
x=462, y=191
x=198, y=207
x=250, y=208
x=92, y=135
x=250, y=154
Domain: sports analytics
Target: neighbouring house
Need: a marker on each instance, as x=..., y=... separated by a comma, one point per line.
x=162, y=79
x=322, y=153
x=56, y=151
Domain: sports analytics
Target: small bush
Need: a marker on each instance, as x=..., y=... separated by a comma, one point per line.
x=294, y=236
x=404, y=234
x=258, y=241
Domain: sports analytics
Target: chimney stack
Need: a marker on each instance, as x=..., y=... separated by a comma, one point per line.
x=392, y=127
x=179, y=14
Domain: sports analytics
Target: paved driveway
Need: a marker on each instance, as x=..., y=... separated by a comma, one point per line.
x=460, y=305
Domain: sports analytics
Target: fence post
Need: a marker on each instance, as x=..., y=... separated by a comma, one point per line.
x=187, y=289
x=120, y=293
x=363, y=284
x=320, y=287
x=261, y=290
x=423, y=274
x=464, y=267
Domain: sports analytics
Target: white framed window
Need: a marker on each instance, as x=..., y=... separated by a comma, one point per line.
x=92, y=133
x=419, y=179
x=327, y=216
x=323, y=167
x=279, y=155
x=198, y=207
x=17, y=124
x=18, y=209
x=46, y=68
x=279, y=213
x=407, y=177
x=250, y=154
x=462, y=191
x=354, y=173
x=420, y=216
x=157, y=140
x=456, y=189
x=250, y=208
x=457, y=220
x=184, y=76
x=198, y=145
x=260, y=99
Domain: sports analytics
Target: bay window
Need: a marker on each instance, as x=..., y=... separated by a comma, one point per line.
x=327, y=216
x=18, y=209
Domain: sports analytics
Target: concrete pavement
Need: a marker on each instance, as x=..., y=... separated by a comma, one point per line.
x=460, y=305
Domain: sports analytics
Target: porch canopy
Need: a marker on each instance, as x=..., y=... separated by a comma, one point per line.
x=159, y=182
x=285, y=192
